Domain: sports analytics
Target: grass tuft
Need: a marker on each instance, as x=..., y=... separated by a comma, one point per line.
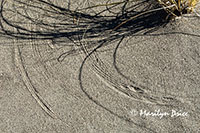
x=178, y=7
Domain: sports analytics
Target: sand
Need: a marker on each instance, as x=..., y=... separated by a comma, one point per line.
x=42, y=93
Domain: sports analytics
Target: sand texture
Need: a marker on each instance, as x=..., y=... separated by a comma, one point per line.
x=66, y=68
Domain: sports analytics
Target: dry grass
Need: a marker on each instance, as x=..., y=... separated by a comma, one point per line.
x=174, y=8
x=178, y=7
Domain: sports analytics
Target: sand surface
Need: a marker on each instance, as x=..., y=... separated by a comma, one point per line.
x=49, y=85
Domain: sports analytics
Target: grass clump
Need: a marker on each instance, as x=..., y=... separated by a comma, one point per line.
x=178, y=7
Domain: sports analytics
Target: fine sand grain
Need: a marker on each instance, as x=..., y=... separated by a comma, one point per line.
x=64, y=70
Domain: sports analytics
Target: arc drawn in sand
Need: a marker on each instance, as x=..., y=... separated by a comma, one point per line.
x=88, y=40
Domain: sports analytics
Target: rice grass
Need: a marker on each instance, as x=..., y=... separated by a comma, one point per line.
x=178, y=7
x=174, y=8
